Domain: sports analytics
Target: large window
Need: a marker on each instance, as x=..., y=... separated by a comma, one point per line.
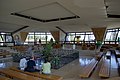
x=83, y=36
x=118, y=37
x=71, y=36
x=6, y=39
x=112, y=36
x=43, y=36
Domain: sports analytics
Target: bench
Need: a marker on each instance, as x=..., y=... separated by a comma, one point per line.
x=99, y=55
x=102, y=59
x=87, y=70
x=4, y=78
x=21, y=48
x=118, y=60
x=37, y=74
x=117, y=53
x=114, y=59
x=4, y=54
x=104, y=70
x=108, y=54
x=17, y=75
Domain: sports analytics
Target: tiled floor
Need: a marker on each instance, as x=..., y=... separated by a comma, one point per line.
x=72, y=70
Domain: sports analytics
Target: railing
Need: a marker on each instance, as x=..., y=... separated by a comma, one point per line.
x=60, y=42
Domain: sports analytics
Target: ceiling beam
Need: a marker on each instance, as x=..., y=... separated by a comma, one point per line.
x=113, y=16
x=28, y=17
x=61, y=29
x=65, y=18
x=19, y=29
x=43, y=20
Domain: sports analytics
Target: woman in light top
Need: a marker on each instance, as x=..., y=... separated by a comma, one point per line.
x=46, y=67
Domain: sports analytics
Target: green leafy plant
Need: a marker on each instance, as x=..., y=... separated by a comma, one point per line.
x=47, y=50
x=56, y=61
x=47, y=53
x=17, y=56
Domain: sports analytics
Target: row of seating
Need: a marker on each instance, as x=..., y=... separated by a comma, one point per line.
x=37, y=74
x=33, y=76
x=99, y=55
x=117, y=53
x=20, y=48
x=108, y=54
x=88, y=69
x=17, y=75
x=109, y=59
x=104, y=70
x=4, y=54
x=4, y=78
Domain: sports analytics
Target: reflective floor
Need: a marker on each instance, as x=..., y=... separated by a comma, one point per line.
x=84, y=60
x=72, y=70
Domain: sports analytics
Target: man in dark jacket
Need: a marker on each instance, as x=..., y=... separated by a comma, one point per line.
x=31, y=66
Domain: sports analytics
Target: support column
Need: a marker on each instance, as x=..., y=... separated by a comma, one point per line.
x=23, y=36
x=99, y=33
x=56, y=35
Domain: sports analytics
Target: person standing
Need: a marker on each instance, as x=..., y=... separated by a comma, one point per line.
x=35, y=42
x=39, y=41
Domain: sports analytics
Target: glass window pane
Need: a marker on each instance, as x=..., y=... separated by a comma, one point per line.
x=8, y=38
x=111, y=36
x=80, y=33
x=72, y=33
x=82, y=37
x=37, y=37
x=1, y=40
x=31, y=32
x=48, y=33
x=43, y=33
x=91, y=38
x=30, y=38
x=49, y=37
x=86, y=38
x=3, y=33
x=37, y=33
x=71, y=37
x=118, y=35
x=108, y=36
x=43, y=37
x=89, y=32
